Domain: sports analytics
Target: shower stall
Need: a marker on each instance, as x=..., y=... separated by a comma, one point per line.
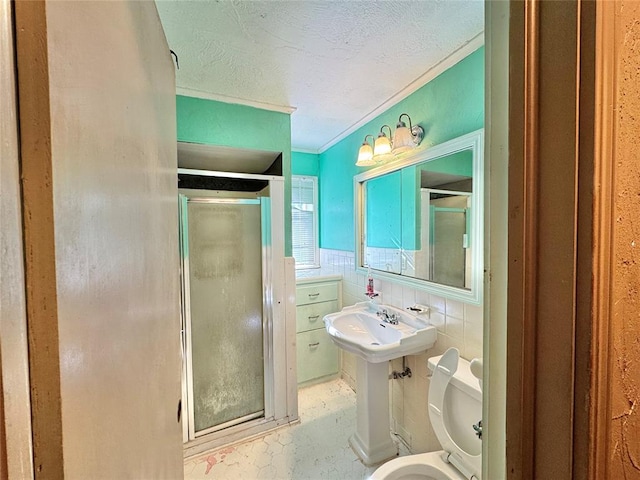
x=235, y=375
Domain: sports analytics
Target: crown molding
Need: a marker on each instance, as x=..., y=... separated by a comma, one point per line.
x=305, y=150
x=446, y=63
x=189, y=92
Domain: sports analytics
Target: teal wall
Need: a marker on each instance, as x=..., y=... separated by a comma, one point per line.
x=216, y=123
x=305, y=164
x=450, y=105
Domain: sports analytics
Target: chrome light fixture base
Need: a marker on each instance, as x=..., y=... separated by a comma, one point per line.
x=418, y=134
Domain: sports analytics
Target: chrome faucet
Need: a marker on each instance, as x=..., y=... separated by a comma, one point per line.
x=384, y=315
x=478, y=429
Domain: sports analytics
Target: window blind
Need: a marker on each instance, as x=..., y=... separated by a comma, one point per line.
x=304, y=222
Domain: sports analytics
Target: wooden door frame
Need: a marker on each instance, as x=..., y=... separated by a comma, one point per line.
x=603, y=225
x=559, y=243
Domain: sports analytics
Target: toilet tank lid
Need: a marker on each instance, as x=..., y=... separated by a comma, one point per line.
x=463, y=378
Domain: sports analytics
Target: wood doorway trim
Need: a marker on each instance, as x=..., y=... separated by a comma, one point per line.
x=603, y=224
x=551, y=163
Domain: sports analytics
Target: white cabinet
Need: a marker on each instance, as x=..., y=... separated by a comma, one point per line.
x=317, y=356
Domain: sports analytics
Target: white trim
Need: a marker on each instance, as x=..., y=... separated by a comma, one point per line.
x=213, y=173
x=190, y=92
x=283, y=372
x=305, y=150
x=289, y=271
x=234, y=201
x=446, y=63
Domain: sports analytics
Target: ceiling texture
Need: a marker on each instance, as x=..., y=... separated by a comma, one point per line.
x=332, y=64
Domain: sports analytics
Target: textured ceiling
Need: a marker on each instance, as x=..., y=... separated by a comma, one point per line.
x=334, y=61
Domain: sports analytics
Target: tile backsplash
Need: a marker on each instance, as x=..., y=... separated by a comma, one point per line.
x=393, y=260
x=459, y=325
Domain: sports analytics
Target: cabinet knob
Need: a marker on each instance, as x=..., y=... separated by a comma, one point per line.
x=314, y=344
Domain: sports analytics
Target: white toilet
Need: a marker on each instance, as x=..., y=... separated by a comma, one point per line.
x=455, y=409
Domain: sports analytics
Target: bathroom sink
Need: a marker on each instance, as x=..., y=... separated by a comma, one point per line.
x=360, y=330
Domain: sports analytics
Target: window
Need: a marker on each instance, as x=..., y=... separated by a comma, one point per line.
x=304, y=221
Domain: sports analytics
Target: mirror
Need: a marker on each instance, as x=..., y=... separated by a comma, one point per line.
x=419, y=219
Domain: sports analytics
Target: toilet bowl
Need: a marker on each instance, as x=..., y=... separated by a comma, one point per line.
x=455, y=409
x=424, y=466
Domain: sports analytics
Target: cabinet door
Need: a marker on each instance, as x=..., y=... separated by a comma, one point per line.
x=317, y=355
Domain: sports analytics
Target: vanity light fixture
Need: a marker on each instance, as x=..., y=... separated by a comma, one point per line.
x=382, y=145
x=406, y=138
x=365, y=154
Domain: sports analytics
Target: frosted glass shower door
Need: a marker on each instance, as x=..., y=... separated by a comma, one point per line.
x=225, y=322
x=448, y=229
x=448, y=255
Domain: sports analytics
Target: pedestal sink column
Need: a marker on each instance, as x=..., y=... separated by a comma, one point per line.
x=372, y=441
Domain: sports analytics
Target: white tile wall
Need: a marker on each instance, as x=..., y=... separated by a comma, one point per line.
x=392, y=260
x=459, y=325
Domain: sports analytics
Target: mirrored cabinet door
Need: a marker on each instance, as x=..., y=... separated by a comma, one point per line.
x=420, y=219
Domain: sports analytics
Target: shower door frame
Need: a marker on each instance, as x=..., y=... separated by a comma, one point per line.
x=276, y=372
x=267, y=411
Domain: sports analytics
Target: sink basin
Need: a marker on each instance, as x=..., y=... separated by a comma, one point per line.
x=359, y=330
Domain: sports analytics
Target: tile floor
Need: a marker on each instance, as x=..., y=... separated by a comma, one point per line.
x=315, y=449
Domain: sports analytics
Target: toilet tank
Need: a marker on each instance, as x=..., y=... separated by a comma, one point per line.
x=462, y=406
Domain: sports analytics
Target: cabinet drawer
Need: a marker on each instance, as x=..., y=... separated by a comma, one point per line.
x=309, y=317
x=315, y=293
x=317, y=355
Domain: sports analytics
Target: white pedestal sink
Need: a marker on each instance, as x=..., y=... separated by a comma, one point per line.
x=362, y=330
